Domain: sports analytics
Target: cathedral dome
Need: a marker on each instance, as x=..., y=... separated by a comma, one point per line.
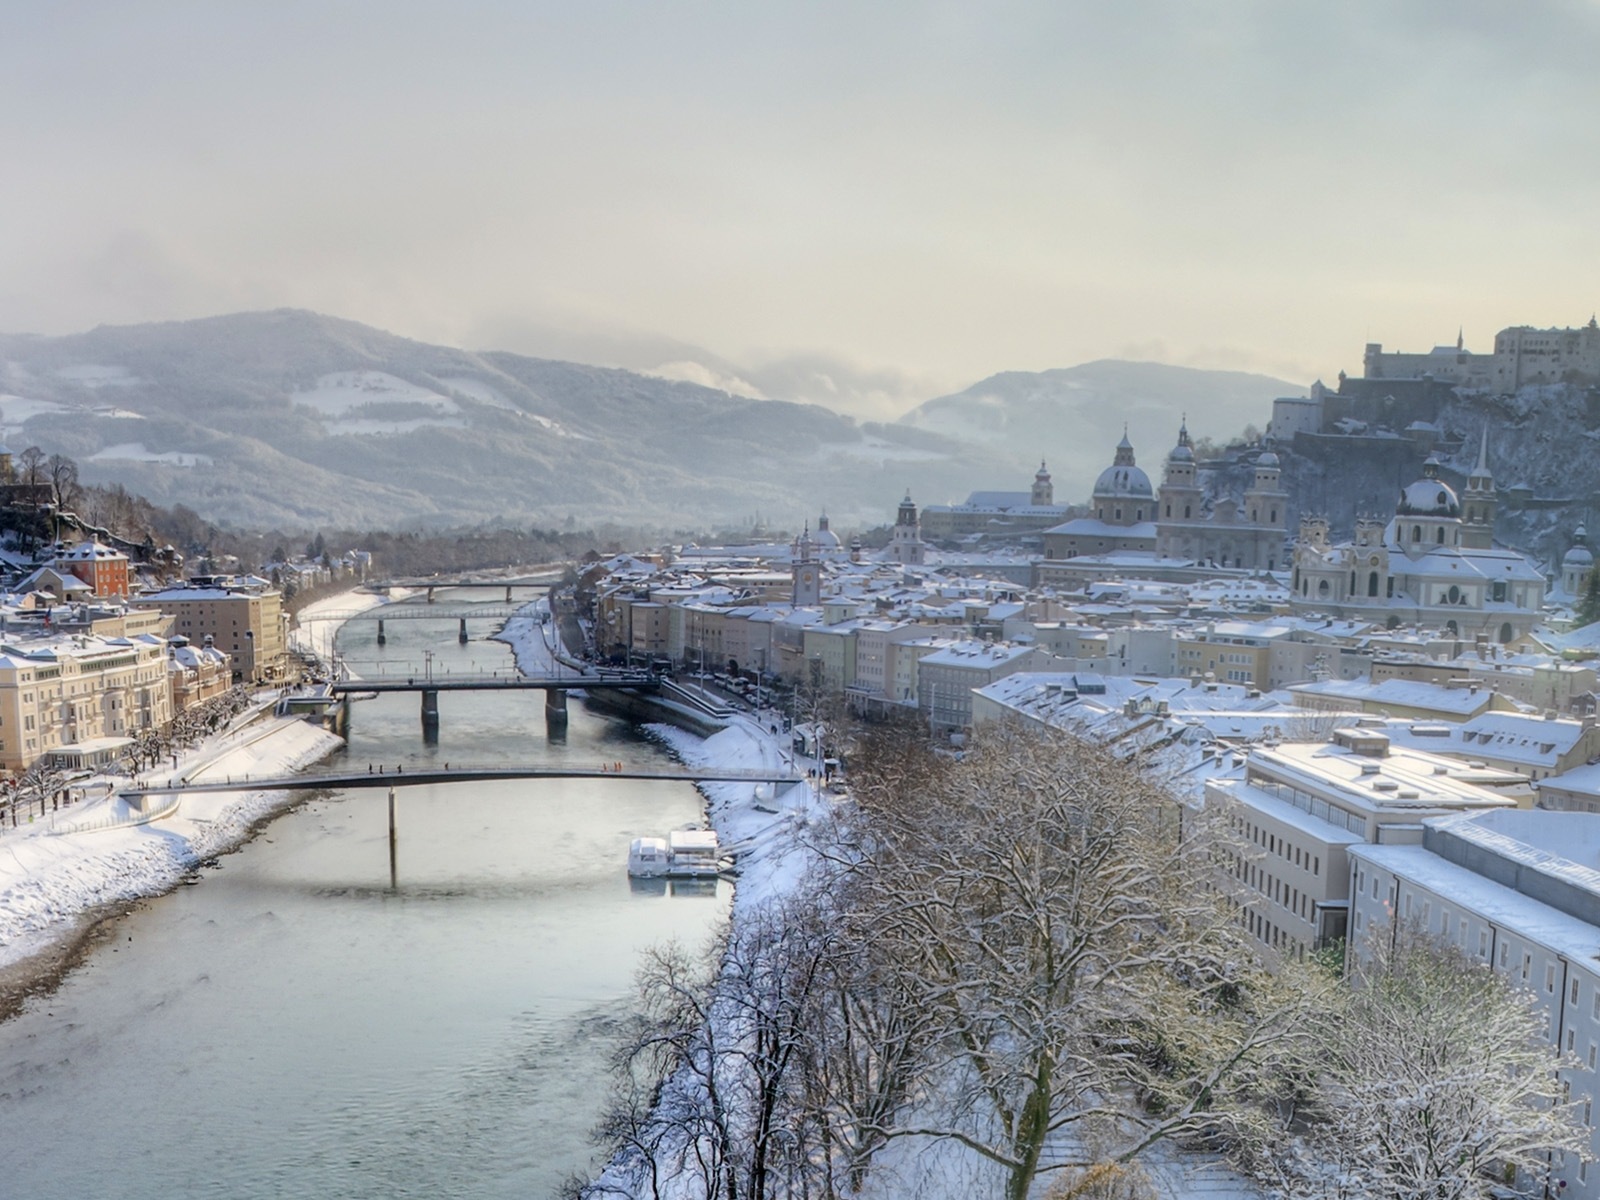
x=1429, y=496
x=1129, y=481
x=1122, y=480
x=1269, y=459
x=1579, y=555
x=1181, y=454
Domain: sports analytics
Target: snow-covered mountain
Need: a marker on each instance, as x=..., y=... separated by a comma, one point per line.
x=294, y=419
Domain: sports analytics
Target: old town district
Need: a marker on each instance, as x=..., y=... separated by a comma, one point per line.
x=1402, y=722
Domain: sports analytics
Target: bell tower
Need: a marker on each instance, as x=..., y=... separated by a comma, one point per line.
x=906, y=545
x=1043, y=491
x=805, y=572
x=1478, y=502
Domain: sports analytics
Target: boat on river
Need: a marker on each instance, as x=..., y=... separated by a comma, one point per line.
x=682, y=854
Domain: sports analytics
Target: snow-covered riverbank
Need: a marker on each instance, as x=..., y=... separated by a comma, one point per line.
x=531, y=634
x=50, y=880
x=318, y=622
x=67, y=868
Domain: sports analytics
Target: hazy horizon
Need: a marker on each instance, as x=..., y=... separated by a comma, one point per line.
x=891, y=204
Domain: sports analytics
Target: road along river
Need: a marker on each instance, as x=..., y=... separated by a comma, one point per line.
x=294, y=1026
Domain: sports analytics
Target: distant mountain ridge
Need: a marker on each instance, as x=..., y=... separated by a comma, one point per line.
x=293, y=419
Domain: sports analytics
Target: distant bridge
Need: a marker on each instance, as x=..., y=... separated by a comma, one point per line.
x=374, y=777
x=554, y=686
x=541, y=579
x=410, y=611
x=491, y=683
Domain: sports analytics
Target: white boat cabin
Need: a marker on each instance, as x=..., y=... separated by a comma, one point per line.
x=684, y=854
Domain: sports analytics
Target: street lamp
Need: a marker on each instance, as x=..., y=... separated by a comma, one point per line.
x=427, y=670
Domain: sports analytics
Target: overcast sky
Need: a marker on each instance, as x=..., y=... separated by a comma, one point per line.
x=939, y=191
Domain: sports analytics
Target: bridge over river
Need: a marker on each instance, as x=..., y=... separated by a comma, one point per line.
x=375, y=776
x=429, y=684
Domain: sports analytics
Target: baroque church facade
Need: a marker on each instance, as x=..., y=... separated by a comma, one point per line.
x=1432, y=564
x=1174, y=523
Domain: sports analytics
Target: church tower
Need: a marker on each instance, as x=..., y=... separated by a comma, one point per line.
x=1044, y=493
x=805, y=572
x=1577, y=564
x=1478, y=502
x=906, y=546
x=1179, y=500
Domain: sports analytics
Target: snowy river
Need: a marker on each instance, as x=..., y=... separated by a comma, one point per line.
x=292, y=1026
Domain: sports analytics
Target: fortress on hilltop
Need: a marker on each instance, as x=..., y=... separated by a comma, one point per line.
x=1522, y=355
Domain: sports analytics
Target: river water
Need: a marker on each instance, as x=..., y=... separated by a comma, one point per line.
x=293, y=1026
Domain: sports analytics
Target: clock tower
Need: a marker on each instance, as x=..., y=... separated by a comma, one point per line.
x=805, y=572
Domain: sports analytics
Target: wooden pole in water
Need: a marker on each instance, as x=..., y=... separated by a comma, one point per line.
x=394, y=842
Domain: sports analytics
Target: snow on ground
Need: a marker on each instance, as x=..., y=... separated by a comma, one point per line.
x=476, y=389
x=138, y=452
x=335, y=395
x=49, y=879
x=764, y=830
x=319, y=621
x=56, y=868
x=363, y=427
x=532, y=638
x=17, y=410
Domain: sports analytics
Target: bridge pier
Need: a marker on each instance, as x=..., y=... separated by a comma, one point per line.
x=430, y=711
x=394, y=845
x=555, y=707
x=382, y=641
x=508, y=593
x=430, y=595
x=462, y=636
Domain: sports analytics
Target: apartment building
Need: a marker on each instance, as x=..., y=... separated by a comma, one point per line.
x=946, y=679
x=1514, y=889
x=1303, y=806
x=246, y=623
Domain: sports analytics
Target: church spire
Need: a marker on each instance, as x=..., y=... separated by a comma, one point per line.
x=1481, y=479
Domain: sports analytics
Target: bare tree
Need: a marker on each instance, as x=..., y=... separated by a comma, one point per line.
x=1435, y=1082
x=1093, y=990
x=63, y=476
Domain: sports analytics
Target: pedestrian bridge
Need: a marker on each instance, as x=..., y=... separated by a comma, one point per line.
x=495, y=682
x=374, y=775
x=408, y=611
